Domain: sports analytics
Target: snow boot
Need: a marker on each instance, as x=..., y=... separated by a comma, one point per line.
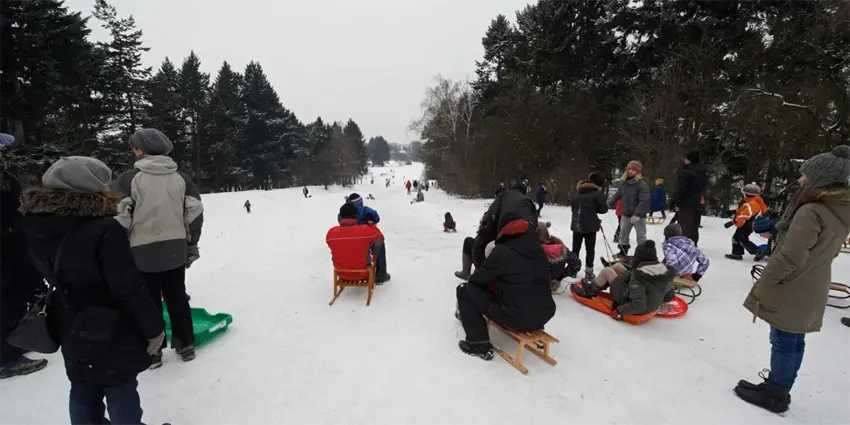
x=737, y=257
x=747, y=385
x=554, y=285
x=845, y=321
x=760, y=255
x=380, y=280
x=483, y=350
x=466, y=262
x=187, y=353
x=21, y=366
x=773, y=398
x=589, y=275
x=624, y=251
x=605, y=262
x=156, y=361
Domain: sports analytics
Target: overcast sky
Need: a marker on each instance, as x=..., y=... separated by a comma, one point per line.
x=370, y=60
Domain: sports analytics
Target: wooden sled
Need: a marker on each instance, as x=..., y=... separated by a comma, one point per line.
x=655, y=220
x=687, y=288
x=844, y=291
x=602, y=303
x=340, y=284
x=536, y=341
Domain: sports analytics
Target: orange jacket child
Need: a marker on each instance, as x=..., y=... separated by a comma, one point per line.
x=351, y=244
x=752, y=207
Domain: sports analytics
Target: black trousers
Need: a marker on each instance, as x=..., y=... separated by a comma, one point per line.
x=741, y=240
x=539, y=208
x=589, y=240
x=690, y=220
x=380, y=250
x=171, y=284
x=468, y=243
x=474, y=302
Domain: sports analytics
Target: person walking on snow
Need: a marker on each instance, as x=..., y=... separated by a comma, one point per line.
x=793, y=288
x=659, y=199
x=161, y=207
x=101, y=314
x=407, y=186
x=634, y=191
x=541, y=197
x=306, y=192
x=587, y=203
x=247, y=206
x=688, y=198
x=752, y=207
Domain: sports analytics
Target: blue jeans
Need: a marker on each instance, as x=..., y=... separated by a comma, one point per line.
x=786, y=356
x=122, y=401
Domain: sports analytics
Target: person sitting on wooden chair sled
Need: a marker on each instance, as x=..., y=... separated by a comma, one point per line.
x=355, y=246
x=511, y=288
x=682, y=255
x=449, y=224
x=639, y=290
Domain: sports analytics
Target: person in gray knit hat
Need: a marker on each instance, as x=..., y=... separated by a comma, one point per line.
x=791, y=292
x=150, y=141
x=78, y=174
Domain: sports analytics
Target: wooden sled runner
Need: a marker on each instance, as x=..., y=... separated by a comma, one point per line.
x=340, y=284
x=536, y=341
x=844, y=291
x=655, y=220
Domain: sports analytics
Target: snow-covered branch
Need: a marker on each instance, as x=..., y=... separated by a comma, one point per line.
x=760, y=92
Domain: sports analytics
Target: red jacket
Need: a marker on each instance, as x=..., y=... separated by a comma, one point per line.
x=349, y=243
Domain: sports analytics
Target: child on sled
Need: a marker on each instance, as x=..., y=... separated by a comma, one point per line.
x=638, y=289
x=682, y=255
x=562, y=262
x=449, y=224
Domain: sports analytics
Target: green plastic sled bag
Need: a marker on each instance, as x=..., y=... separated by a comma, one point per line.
x=205, y=326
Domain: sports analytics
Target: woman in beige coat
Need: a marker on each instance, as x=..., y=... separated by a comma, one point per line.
x=792, y=291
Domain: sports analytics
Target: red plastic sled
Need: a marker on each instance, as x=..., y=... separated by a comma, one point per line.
x=602, y=302
x=676, y=308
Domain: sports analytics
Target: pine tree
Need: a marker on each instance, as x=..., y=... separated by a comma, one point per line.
x=224, y=131
x=379, y=151
x=164, y=107
x=193, y=93
x=354, y=138
x=125, y=77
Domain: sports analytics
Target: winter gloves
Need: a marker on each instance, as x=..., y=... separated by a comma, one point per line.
x=696, y=277
x=192, y=255
x=155, y=343
x=635, y=219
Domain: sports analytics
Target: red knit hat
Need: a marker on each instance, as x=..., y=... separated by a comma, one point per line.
x=634, y=165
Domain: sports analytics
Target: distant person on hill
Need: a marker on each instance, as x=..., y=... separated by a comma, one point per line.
x=306, y=191
x=693, y=178
x=365, y=215
x=247, y=206
x=659, y=198
x=449, y=224
x=511, y=288
x=541, y=197
x=587, y=203
x=408, y=185
x=682, y=254
x=356, y=246
x=420, y=197
x=162, y=210
x=415, y=184
x=752, y=207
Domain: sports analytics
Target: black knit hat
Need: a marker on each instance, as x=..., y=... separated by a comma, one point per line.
x=348, y=210
x=693, y=157
x=596, y=179
x=645, y=252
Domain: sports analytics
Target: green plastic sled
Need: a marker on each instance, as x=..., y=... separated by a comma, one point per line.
x=206, y=326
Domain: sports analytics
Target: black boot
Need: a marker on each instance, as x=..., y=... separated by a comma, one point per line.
x=738, y=257
x=484, y=350
x=466, y=262
x=624, y=251
x=156, y=361
x=765, y=395
x=22, y=366
x=187, y=353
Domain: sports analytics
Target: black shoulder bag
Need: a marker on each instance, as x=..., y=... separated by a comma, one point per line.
x=32, y=333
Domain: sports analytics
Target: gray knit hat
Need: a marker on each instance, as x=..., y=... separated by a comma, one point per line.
x=78, y=174
x=672, y=229
x=827, y=168
x=151, y=142
x=751, y=189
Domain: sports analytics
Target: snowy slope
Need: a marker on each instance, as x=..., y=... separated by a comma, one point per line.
x=290, y=358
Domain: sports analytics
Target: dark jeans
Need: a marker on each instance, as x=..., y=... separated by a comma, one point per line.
x=786, y=356
x=122, y=401
x=690, y=220
x=539, y=208
x=589, y=244
x=380, y=250
x=474, y=302
x=171, y=285
x=741, y=240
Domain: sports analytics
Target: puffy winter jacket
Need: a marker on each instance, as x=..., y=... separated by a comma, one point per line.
x=541, y=195
x=635, y=195
x=519, y=272
x=752, y=207
x=162, y=210
x=692, y=181
x=682, y=255
x=101, y=311
x=659, y=198
x=350, y=244
x=587, y=202
x=643, y=289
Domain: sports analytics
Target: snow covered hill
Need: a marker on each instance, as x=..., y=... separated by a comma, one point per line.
x=290, y=358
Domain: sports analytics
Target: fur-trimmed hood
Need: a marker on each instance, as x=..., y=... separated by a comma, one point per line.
x=586, y=186
x=65, y=203
x=834, y=197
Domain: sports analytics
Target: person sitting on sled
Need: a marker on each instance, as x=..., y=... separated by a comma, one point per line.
x=355, y=246
x=511, y=288
x=765, y=227
x=562, y=262
x=682, y=255
x=752, y=207
x=639, y=290
x=449, y=225
x=420, y=197
x=365, y=215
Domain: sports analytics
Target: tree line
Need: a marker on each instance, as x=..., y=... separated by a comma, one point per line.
x=575, y=87
x=63, y=94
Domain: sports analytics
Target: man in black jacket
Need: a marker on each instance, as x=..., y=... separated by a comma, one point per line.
x=19, y=280
x=692, y=181
x=514, y=200
x=511, y=288
x=587, y=202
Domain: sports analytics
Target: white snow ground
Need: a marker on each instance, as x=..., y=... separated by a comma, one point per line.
x=290, y=358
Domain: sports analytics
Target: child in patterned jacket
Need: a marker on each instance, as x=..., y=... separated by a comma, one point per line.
x=681, y=254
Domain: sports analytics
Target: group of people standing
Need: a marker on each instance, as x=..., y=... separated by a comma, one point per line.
x=111, y=250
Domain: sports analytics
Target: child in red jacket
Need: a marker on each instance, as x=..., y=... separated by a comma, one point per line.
x=354, y=246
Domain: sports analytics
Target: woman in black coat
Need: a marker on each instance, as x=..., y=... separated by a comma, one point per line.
x=100, y=312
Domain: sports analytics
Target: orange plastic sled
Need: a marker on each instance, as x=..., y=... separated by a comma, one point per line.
x=602, y=302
